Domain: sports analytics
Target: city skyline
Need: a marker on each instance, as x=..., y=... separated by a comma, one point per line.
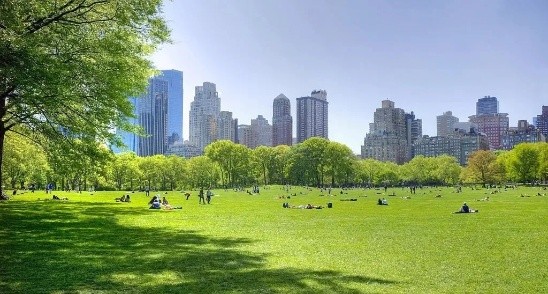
x=427, y=57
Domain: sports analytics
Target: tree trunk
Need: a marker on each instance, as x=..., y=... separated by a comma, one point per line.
x=2, y=137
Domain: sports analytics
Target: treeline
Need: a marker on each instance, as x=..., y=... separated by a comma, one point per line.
x=314, y=162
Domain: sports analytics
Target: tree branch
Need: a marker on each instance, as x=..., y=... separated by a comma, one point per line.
x=64, y=11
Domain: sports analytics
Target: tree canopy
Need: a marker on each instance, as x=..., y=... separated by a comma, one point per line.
x=67, y=67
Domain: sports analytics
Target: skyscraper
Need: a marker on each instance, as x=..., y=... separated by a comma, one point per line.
x=487, y=105
x=152, y=115
x=204, y=113
x=391, y=134
x=489, y=121
x=261, y=132
x=130, y=140
x=446, y=123
x=541, y=121
x=174, y=79
x=245, y=136
x=312, y=116
x=159, y=113
x=282, y=122
x=226, y=130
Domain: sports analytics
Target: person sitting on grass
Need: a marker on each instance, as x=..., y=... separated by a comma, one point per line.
x=382, y=202
x=466, y=209
x=155, y=202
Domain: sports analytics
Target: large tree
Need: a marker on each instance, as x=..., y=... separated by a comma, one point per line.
x=308, y=162
x=68, y=66
x=483, y=167
x=525, y=162
x=233, y=159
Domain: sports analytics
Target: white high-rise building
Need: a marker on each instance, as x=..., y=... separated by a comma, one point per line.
x=204, y=114
x=227, y=126
x=446, y=124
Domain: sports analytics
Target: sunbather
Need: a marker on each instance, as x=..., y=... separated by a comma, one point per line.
x=466, y=209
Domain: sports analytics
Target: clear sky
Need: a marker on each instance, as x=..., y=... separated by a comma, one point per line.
x=426, y=56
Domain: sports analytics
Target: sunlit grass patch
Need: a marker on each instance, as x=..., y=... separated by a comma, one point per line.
x=250, y=244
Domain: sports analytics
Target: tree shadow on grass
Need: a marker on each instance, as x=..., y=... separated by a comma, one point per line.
x=71, y=247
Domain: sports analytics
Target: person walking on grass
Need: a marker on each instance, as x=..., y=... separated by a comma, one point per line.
x=208, y=195
x=201, y=196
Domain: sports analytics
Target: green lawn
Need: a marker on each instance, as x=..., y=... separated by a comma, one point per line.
x=250, y=244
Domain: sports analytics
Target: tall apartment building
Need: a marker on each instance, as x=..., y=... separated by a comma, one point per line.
x=312, y=116
x=245, y=136
x=282, y=122
x=494, y=126
x=390, y=134
x=445, y=124
x=203, y=116
x=152, y=115
x=490, y=122
x=541, y=121
x=261, y=132
x=226, y=126
x=414, y=130
x=487, y=105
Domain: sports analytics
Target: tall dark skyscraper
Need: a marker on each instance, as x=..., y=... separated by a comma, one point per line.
x=312, y=117
x=152, y=113
x=541, y=121
x=159, y=113
x=487, y=105
x=174, y=79
x=282, y=122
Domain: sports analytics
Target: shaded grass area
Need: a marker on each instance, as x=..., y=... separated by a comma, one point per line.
x=250, y=244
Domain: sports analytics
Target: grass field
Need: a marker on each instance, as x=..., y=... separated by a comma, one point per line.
x=250, y=244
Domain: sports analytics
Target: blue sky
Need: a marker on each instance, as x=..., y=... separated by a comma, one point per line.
x=426, y=56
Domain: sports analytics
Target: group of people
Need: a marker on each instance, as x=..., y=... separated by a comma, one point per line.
x=308, y=206
x=202, y=199
x=382, y=201
x=124, y=198
x=156, y=203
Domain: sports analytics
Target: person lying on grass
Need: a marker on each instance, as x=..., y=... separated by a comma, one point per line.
x=308, y=206
x=167, y=206
x=124, y=198
x=57, y=198
x=466, y=209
